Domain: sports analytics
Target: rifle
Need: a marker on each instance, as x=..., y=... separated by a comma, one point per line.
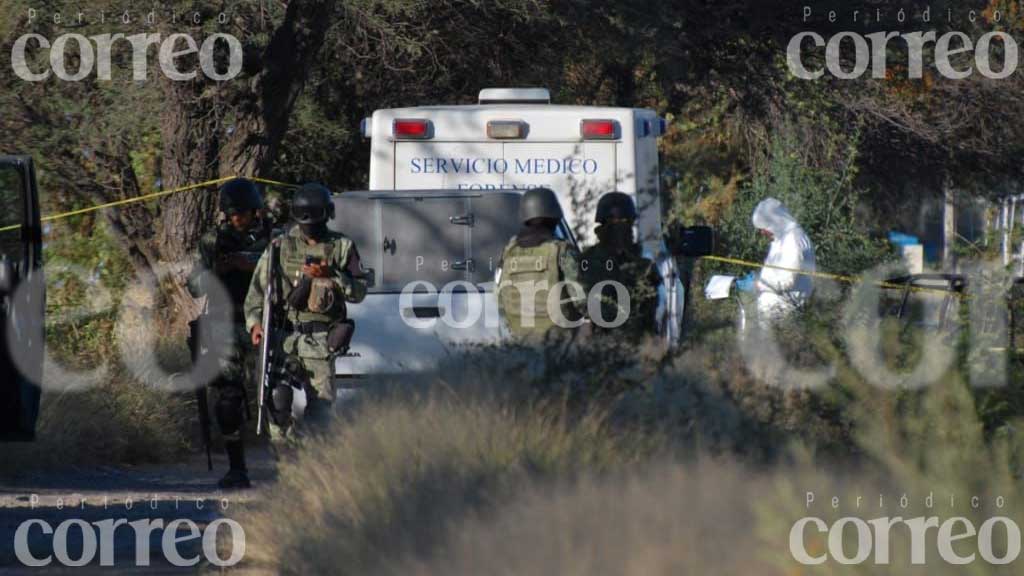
x=195, y=350
x=267, y=348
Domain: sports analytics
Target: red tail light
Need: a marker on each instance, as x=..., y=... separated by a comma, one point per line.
x=417, y=129
x=599, y=129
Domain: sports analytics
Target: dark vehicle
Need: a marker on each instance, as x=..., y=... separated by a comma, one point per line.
x=22, y=299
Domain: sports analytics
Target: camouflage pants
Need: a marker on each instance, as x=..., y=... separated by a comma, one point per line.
x=312, y=352
x=233, y=383
x=234, y=352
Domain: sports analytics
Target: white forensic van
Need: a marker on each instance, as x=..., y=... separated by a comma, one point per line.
x=443, y=197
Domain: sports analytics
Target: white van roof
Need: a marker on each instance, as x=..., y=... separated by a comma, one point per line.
x=550, y=120
x=514, y=96
x=517, y=105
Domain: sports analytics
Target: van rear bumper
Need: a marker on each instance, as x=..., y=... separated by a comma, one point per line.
x=388, y=341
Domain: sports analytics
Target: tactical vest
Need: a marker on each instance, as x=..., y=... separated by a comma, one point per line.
x=294, y=251
x=251, y=243
x=537, y=268
x=630, y=269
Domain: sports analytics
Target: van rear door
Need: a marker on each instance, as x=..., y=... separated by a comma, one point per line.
x=422, y=239
x=22, y=299
x=445, y=238
x=495, y=222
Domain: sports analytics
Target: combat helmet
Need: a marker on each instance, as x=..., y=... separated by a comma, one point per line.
x=539, y=203
x=239, y=195
x=312, y=204
x=615, y=206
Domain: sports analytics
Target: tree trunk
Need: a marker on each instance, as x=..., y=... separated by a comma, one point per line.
x=131, y=224
x=191, y=146
x=263, y=112
x=198, y=146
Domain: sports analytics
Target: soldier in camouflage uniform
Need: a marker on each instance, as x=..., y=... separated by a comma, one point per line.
x=617, y=257
x=319, y=272
x=227, y=255
x=533, y=263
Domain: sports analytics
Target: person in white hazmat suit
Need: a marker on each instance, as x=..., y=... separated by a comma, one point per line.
x=780, y=290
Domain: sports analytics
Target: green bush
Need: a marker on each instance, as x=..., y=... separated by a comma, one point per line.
x=824, y=201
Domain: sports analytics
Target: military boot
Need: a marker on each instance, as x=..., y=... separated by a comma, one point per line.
x=237, y=476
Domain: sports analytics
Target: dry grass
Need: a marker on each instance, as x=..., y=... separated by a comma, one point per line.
x=391, y=480
x=917, y=446
x=454, y=478
x=121, y=422
x=107, y=414
x=661, y=519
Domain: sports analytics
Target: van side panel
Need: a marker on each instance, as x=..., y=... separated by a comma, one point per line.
x=382, y=152
x=648, y=180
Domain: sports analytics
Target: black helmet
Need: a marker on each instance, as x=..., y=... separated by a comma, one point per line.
x=312, y=204
x=615, y=206
x=239, y=195
x=539, y=203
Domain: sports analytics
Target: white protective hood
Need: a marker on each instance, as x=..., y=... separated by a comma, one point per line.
x=772, y=216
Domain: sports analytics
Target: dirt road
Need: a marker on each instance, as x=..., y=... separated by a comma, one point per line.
x=184, y=491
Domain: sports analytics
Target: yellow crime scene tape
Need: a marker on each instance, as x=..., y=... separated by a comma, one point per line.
x=828, y=276
x=723, y=259
x=145, y=198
